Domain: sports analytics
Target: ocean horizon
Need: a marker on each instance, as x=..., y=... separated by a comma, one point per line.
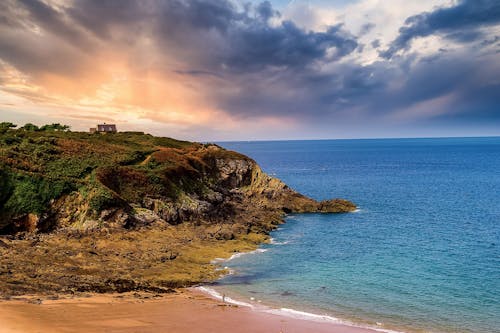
x=420, y=255
x=236, y=142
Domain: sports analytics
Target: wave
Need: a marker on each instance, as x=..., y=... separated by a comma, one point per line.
x=272, y=241
x=236, y=255
x=240, y=254
x=290, y=313
x=221, y=297
x=296, y=314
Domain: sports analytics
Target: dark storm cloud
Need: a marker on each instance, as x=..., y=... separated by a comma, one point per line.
x=308, y=94
x=245, y=40
x=455, y=84
x=216, y=33
x=252, y=63
x=444, y=86
x=459, y=22
x=286, y=45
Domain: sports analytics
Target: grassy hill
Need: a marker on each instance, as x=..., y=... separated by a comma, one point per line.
x=38, y=167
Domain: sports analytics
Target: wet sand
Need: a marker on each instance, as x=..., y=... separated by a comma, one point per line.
x=186, y=311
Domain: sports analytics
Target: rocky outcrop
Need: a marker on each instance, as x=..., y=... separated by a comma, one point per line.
x=219, y=186
x=151, y=226
x=236, y=183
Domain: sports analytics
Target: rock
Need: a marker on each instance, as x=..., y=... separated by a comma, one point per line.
x=144, y=217
x=234, y=173
x=4, y=245
x=336, y=206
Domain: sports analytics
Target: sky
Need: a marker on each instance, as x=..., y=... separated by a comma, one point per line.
x=215, y=70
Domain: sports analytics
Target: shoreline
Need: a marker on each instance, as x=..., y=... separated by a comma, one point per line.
x=146, y=312
x=259, y=307
x=289, y=312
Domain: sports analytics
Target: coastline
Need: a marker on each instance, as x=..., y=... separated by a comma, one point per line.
x=218, y=293
x=133, y=312
x=290, y=313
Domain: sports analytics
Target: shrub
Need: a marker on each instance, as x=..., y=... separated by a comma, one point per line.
x=31, y=194
x=5, y=186
x=5, y=126
x=55, y=127
x=30, y=127
x=102, y=199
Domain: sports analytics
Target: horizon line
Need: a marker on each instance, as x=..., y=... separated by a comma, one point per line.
x=374, y=138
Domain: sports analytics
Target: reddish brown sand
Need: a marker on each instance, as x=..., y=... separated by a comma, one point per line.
x=183, y=312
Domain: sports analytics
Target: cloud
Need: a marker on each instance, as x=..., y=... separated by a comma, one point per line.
x=197, y=64
x=460, y=23
x=265, y=11
x=50, y=19
x=375, y=43
x=286, y=45
x=242, y=41
x=195, y=37
x=366, y=28
x=100, y=16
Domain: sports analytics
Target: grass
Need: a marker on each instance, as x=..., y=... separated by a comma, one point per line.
x=39, y=166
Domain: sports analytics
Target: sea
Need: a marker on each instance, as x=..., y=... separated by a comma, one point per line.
x=421, y=254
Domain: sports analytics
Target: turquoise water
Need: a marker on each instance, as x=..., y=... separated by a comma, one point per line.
x=423, y=252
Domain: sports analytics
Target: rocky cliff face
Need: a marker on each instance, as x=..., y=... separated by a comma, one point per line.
x=146, y=223
x=211, y=184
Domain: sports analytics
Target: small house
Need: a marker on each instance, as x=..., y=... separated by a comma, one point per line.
x=104, y=128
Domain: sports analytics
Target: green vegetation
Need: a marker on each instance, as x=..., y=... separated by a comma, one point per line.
x=55, y=127
x=30, y=127
x=40, y=164
x=5, y=126
x=32, y=194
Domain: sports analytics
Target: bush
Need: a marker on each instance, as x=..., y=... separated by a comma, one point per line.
x=30, y=127
x=5, y=126
x=5, y=186
x=31, y=194
x=55, y=127
x=10, y=140
x=102, y=200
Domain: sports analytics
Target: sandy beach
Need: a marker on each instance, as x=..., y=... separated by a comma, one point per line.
x=185, y=311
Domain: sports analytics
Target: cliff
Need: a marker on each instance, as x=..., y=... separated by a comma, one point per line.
x=130, y=211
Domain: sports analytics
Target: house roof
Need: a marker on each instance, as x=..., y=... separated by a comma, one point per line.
x=106, y=127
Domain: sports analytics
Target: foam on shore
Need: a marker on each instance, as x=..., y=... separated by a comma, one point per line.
x=272, y=241
x=218, y=296
x=239, y=254
x=236, y=255
x=290, y=313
